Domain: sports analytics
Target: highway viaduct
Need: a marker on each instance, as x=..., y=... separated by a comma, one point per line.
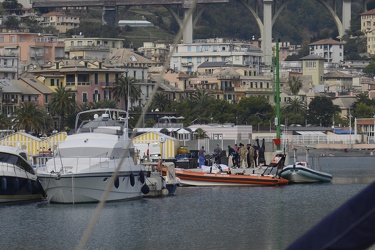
x=265, y=13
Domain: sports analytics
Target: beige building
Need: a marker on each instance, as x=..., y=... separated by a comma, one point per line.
x=368, y=28
x=59, y=21
x=313, y=65
x=82, y=48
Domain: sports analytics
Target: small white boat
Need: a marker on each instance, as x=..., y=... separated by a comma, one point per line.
x=96, y=163
x=301, y=173
x=159, y=183
x=18, y=181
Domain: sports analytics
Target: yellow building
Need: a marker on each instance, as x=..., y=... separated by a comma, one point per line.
x=33, y=145
x=168, y=144
x=368, y=28
x=313, y=65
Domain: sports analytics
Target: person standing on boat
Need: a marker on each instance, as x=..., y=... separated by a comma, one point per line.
x=243, y=156
x=230, y=156
x=201, y=154
x=250, y=156
x=217, y=152
x=235, y=157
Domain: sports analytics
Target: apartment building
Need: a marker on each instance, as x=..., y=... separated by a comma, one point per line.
x=368, y=28
x=82, y=48
x=59, y=21
x=331, y=50
x=157, y=52
x=187, y=57
x=13, y=93
x=22, y=51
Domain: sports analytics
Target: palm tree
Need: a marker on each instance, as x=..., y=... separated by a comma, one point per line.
x=202, y=99
x=6, y=122
x=295, y=84
x=62, y=103
x=160, y=101
x=30, y=117
x=295, y=106
x=124, y=88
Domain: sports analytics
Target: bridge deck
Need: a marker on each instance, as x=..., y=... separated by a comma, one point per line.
x=93, y=3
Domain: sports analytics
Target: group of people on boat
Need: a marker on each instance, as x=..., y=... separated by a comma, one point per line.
x=238, y=156
x=241, y=156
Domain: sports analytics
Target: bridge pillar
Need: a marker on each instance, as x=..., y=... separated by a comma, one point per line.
x=188, y=31
x=267, y=32
x=346, y=15
x=109, y=15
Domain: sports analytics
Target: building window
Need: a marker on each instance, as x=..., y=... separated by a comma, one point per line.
x=84, y=97
x=1, y=39
x=52, y=82
x=189, y=48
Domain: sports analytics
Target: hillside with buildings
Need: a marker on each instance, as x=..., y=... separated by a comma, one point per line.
x=240, y=82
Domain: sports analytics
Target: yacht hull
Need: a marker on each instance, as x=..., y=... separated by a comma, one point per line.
x=90, y=188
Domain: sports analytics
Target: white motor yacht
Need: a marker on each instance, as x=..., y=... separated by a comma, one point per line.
x=96, y=163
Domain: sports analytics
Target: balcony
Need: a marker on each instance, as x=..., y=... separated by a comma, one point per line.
x=188, y=64
x=88, y=47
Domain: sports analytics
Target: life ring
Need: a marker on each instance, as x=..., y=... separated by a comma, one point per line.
x=132, y=179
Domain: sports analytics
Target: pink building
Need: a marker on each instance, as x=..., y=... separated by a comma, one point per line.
x=31, y=49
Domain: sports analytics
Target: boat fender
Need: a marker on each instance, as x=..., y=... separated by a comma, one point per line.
x=164, y=192
x=29, y=186
x=145, y=189
x=16, y=183
x=132, y=180
x=142, y=176
x=211, y=170
x=117, y=182
x=4, y=183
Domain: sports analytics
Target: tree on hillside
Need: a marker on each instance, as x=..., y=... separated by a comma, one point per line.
x=370, y=69
x=62, y=104
x=321, y=111
x=254, y=110
x=11, y=5
x=12, y=22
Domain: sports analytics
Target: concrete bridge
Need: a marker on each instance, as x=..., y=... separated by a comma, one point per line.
x=265, y=13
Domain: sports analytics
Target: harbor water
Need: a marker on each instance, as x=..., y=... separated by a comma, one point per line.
x=195, y=218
